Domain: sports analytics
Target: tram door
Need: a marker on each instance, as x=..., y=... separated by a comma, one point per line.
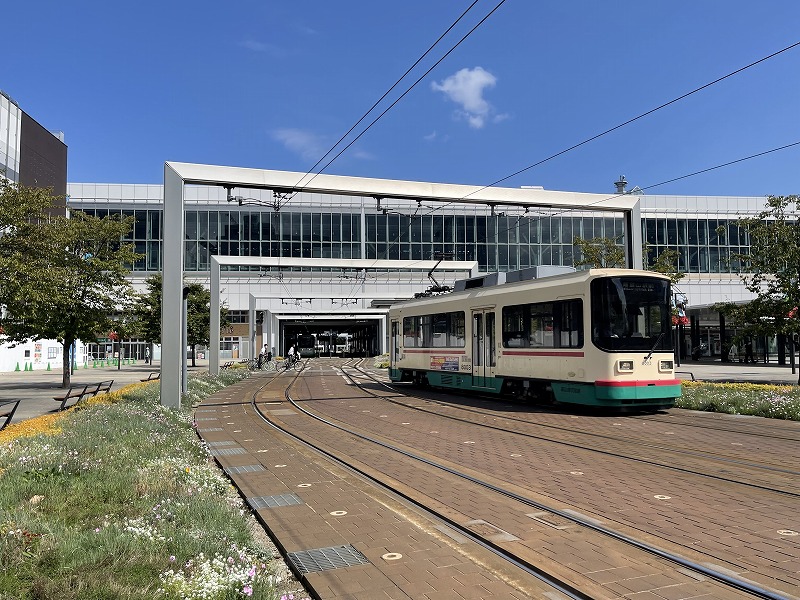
x=483, y=356
x=394, y=345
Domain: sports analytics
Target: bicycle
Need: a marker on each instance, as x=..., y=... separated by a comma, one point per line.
x=292, y=362
x=269, y=365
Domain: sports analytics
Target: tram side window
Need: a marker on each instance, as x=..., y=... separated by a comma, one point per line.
x=514, y=334
x=410, y=328
x=426, y=329
x=543, y=325
x=456, y=336
x=441, y=330
x=571, y=324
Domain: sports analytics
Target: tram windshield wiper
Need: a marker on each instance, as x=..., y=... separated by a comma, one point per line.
x=658, y=341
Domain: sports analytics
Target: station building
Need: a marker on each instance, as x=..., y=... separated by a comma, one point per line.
x=299, y=263
x=35, y=157
x=329, y=263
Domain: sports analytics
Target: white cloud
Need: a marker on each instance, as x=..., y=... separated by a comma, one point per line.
x=308, y=145
x=271, y=49
x=363, y=155
x=254, y=46
x=431, y=136
x=311, y=146
x=466, y=88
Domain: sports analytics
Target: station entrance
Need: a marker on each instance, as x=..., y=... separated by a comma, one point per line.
x=320, y=338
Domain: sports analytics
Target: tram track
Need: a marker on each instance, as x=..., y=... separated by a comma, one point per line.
x=567, y=590
x=728, y=461
x=742, y=585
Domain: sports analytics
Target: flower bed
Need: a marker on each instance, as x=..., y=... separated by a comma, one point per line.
x=120, y=499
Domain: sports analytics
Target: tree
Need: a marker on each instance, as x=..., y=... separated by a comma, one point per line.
x=70, y=276
x=665, y=263
x=198, y=316
x=770, y=271
x=599, y=253
x=21, y=210
x=605, y=253
x=147, y=312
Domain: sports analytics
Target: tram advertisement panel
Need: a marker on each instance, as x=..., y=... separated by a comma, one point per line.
x=444, y=363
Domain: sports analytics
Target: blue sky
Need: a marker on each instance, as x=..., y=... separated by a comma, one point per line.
x=273, y=85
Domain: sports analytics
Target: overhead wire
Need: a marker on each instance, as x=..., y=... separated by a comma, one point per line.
x=610, y=130
x=393, y=104
x=614, y=196
x=621, y=125
x=540, y=162
x=387, y=92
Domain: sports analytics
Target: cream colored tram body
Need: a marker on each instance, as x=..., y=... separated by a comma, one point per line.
x=601, y=337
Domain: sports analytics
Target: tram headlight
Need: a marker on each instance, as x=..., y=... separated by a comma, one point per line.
x=665, y=365
x=625, y=365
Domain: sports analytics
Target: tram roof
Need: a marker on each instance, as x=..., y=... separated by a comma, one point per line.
x=290, y=182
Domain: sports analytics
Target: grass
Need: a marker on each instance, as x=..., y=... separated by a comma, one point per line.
x=760, y=400
x=121, y=500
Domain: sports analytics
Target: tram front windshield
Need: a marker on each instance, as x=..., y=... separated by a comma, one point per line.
x=631, y=314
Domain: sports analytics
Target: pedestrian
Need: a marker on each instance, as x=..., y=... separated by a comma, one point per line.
x=147, y=355
x=748, y=351
x=261, y=356
x=292, y=357
x=732, y=353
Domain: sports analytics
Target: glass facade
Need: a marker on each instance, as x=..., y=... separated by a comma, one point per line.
x=704, y=245
x=497, y=243
x=10, y=123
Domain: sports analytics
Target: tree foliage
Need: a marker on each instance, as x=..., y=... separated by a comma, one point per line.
x=599, y=253
x=605, y=253
x=665, y=263
x=771, y=270
x=63, y=278
x=147, y=313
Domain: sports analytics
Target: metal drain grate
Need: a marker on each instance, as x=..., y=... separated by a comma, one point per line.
x=326, y=559
x=274, y=501
x=205, y=429
x=227, y=451
x=244, y=469
x=225, y=443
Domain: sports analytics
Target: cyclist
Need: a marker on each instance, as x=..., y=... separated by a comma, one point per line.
x=292, y=355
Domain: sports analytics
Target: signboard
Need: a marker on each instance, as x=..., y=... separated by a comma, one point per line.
x=444, y=363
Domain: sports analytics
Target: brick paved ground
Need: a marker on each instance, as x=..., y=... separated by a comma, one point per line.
x=322, y=506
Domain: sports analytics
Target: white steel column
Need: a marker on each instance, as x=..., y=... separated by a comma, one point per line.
x=251, y=317
x=214, y=330
x=172, y=291
x=382, y=335
x=633, y=234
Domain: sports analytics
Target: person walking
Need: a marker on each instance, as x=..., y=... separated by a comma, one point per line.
x=748, y=351
x=261, y=356
x=147, y=355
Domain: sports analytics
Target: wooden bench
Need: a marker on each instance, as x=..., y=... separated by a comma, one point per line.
x=104, y=387
x=75, y=392
x=7, y=410
x=152, y=377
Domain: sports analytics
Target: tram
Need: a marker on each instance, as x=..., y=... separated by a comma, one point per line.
x=600, y=337
x=307, y=345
